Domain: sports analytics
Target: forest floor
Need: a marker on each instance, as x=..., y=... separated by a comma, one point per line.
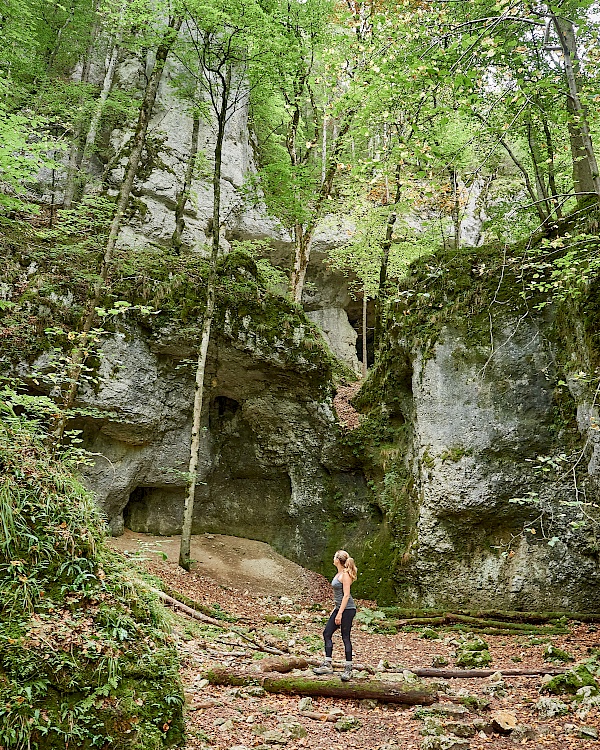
x=252, y=583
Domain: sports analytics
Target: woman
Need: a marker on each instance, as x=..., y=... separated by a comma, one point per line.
x=342, y=615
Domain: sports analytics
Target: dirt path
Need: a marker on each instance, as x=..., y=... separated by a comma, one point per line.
x=244, y=564
x=285, y=606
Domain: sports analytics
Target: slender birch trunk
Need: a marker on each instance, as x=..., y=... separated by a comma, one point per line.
x=184, y=195
x=553, y=190
x=90, y=139
x=455, y=207
x=526, y=179
x=385, y=257
x=145, y=112
x=536, y=160
x=302, y=246
x=76, y=153
x=324, y=148
x=365, y=367
x=304, y=234
x=188, y=511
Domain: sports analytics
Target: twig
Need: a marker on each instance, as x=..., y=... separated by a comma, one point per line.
x=211, y=620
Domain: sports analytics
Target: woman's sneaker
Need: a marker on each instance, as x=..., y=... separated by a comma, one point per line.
x=347, y=673
x=325, y=668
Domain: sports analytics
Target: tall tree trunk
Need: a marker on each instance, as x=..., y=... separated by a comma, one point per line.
x=585, y=166
x=303, y=234
x=137, y=145
x=302, y=247
x=184, y=195
x=528, y=184
x=455, y=207
x=553, y=190
x=188, y=512
x=76, y=153
x=534, y=151
x=365, y=367
x=324, y=147
x=90, y=139
x=385, y=259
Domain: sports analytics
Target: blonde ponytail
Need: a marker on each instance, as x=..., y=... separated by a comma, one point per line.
x=348, y=563
x=351, y=568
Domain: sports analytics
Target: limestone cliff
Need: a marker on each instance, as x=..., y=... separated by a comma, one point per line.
x=458, y=486
x=272, y=465
x=486, y=461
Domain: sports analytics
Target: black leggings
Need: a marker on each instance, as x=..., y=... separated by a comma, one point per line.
x=331, y=627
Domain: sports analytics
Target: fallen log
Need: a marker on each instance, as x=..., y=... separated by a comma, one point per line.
x=418, y=621
x=285, y=664
x=358, y=667
x=494, y=627
x=448, y=674
x=518, y=627
x=199, y=607
x=551, y=630
x=386, y=692
x=282, y=664
x=494, y=614
x=491, y=627
x=194, y=613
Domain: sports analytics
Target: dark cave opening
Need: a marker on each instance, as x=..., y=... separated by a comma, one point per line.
x=357, y=323
x=222, y=409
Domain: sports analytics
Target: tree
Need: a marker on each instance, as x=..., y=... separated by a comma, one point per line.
x=224, y=55
x=21, y=158
x=137, y=145
x=312, y=104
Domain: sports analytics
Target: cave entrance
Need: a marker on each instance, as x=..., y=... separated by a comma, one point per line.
x=155, y=510
x=356, y=321
x=222, y=409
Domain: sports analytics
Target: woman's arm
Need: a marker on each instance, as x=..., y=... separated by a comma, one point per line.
x=346, y=583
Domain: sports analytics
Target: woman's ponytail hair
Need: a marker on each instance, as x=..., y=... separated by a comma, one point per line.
x=348, y=563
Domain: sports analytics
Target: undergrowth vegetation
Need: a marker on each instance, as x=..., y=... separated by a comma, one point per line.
x=85, y=656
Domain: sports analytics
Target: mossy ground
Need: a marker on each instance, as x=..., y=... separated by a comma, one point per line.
x=85, y=657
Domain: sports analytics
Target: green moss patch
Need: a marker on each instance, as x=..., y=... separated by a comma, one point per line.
x=551, y=653
x=570, y=682
x=473, y=654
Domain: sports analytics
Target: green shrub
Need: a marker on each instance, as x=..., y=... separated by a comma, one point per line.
x=85, y=659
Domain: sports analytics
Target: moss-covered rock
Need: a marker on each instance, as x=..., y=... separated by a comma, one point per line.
x=470, y=392
x=552, y=653
x=473, y=654
x=570, y=682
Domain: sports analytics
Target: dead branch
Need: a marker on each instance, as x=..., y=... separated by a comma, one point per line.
x=469, y=673
x=319, y=717
x=217, y=623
